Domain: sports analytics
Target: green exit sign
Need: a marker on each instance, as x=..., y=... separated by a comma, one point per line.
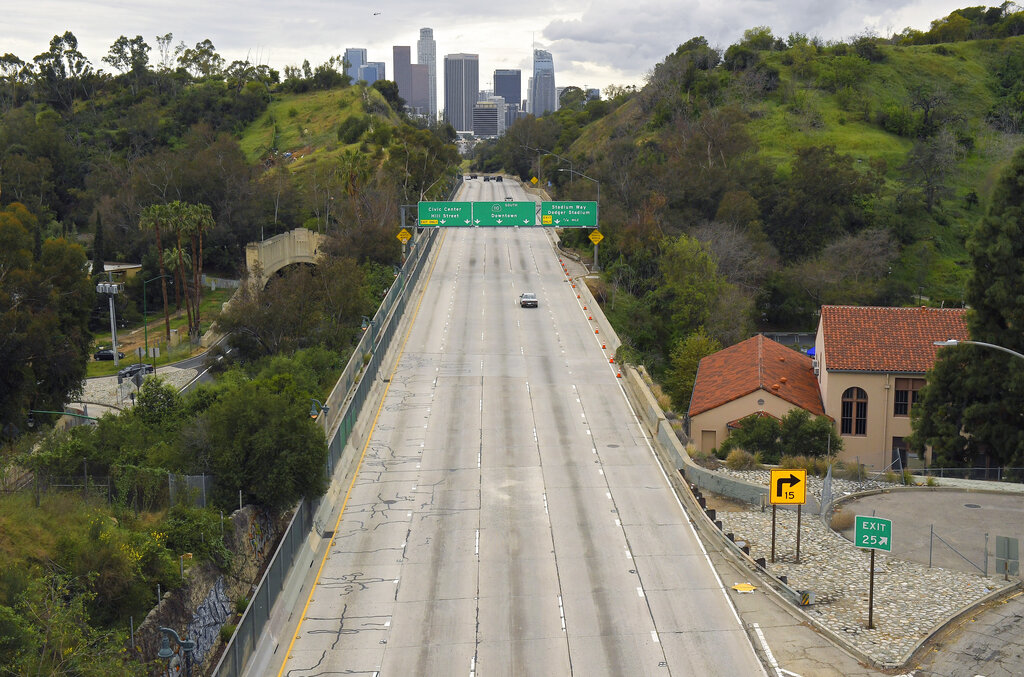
x=873, y=532
x=505, y=213
x=568, y=214
x=445, y=214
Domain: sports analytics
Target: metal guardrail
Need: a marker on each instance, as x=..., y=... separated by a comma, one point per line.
x=347, y=398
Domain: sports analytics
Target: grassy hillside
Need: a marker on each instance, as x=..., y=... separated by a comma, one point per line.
x=305, y=124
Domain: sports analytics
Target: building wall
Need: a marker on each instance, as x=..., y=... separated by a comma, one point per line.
x=426, y=54
x=461, y=85
x=717, y=419
x=873, y=449
x=401, y=57
x=419, y=100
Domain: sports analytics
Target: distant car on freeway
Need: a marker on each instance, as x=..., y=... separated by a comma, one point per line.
x=528, y=300
x=509, y=199
x=107, y=354
x=498, y=179
x=133, y=369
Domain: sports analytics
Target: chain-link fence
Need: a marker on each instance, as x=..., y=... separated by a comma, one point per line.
x=194, y=489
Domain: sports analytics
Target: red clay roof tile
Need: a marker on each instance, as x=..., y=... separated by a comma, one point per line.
x=873, y=338
x=757, y=363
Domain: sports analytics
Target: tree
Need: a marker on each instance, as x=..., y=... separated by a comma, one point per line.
x=202, y=61
x=45, y=301
x=972, y=409
x=62, y=70
x=683, y=361
x=189, y=222
x=930, y=164
x=155, y=217
x=129, y=57
x=389, y=90
x=800, y=434
x=691, y=282
x=262, y=442
x=756, y=434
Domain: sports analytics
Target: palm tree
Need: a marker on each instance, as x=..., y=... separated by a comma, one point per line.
x=153, y=217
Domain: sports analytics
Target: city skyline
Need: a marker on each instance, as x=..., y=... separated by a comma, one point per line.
x=594, y=42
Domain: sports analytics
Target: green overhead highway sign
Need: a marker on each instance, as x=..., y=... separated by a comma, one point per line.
x=504, y=213
x=568, y=214
x=873, y=532
x=446, y=214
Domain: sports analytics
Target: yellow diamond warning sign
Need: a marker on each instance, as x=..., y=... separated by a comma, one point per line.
x=596, y=236
x=404, y=235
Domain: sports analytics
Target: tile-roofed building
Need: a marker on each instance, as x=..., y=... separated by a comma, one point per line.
x=878, y=339
x=871, y=363
x=756, y=376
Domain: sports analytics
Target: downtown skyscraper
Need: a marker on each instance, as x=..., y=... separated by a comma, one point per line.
x=542, y=88
x=426, y=54
x=461, y=86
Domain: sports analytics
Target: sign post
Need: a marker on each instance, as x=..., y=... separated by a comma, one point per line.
x=403, y=237
x=596, y=237
x=787, y=487
x=874, y=533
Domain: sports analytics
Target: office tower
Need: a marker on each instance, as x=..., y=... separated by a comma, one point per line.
x=593, y=94
x=369, y=72
x=426, y=54
x=528, y=101
x=508, y=84
x=420, y=99
x=542, y=95
x=403, y=71
x=354, y=57
x=461, y=84
x=381, y=71
x=489, y=117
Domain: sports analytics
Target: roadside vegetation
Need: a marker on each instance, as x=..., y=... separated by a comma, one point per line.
x=170, y=157
x=743, y=188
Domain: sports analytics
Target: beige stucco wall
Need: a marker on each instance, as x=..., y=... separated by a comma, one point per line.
x=717, y=419
x=874, y=449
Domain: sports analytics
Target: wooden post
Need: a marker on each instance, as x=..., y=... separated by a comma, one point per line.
x=871, y=593
x=798, y=507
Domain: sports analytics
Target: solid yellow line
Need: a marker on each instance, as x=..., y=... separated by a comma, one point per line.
x=355, y=475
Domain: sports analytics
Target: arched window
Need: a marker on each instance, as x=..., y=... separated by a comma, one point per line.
x=854, y=420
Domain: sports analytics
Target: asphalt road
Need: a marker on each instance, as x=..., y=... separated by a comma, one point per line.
x=509, y=517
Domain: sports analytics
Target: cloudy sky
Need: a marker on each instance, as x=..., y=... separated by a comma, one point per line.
x=594, y=43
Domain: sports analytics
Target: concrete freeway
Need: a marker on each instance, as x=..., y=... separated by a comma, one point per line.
x=509, y=517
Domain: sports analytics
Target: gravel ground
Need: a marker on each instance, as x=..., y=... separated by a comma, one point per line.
x=104, y=390
x=910, y=599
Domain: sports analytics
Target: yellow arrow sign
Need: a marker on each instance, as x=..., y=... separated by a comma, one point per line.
x=788, y=487
x=596, y=236
x=404, y=235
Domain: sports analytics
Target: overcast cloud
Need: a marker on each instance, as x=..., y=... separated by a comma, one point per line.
x=594, y=43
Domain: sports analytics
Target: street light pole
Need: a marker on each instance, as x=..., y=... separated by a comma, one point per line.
x=111, y=290
x=145, y=317
x=187, y=647
x=597, y=213
x=956, y=342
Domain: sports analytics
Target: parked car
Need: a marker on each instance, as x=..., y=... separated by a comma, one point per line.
x=139, y=368
x=107, y=354
x=528, y=300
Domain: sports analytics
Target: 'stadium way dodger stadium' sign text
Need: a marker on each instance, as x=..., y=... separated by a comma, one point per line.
x=501, y=214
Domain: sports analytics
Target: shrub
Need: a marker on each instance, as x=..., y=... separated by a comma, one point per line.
x=227, y=631
x=815, y=466
x=241, y=604
x=849, y=471
x=705, y=459
x=842, y=520
x=743, y=460
x=198, y=531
